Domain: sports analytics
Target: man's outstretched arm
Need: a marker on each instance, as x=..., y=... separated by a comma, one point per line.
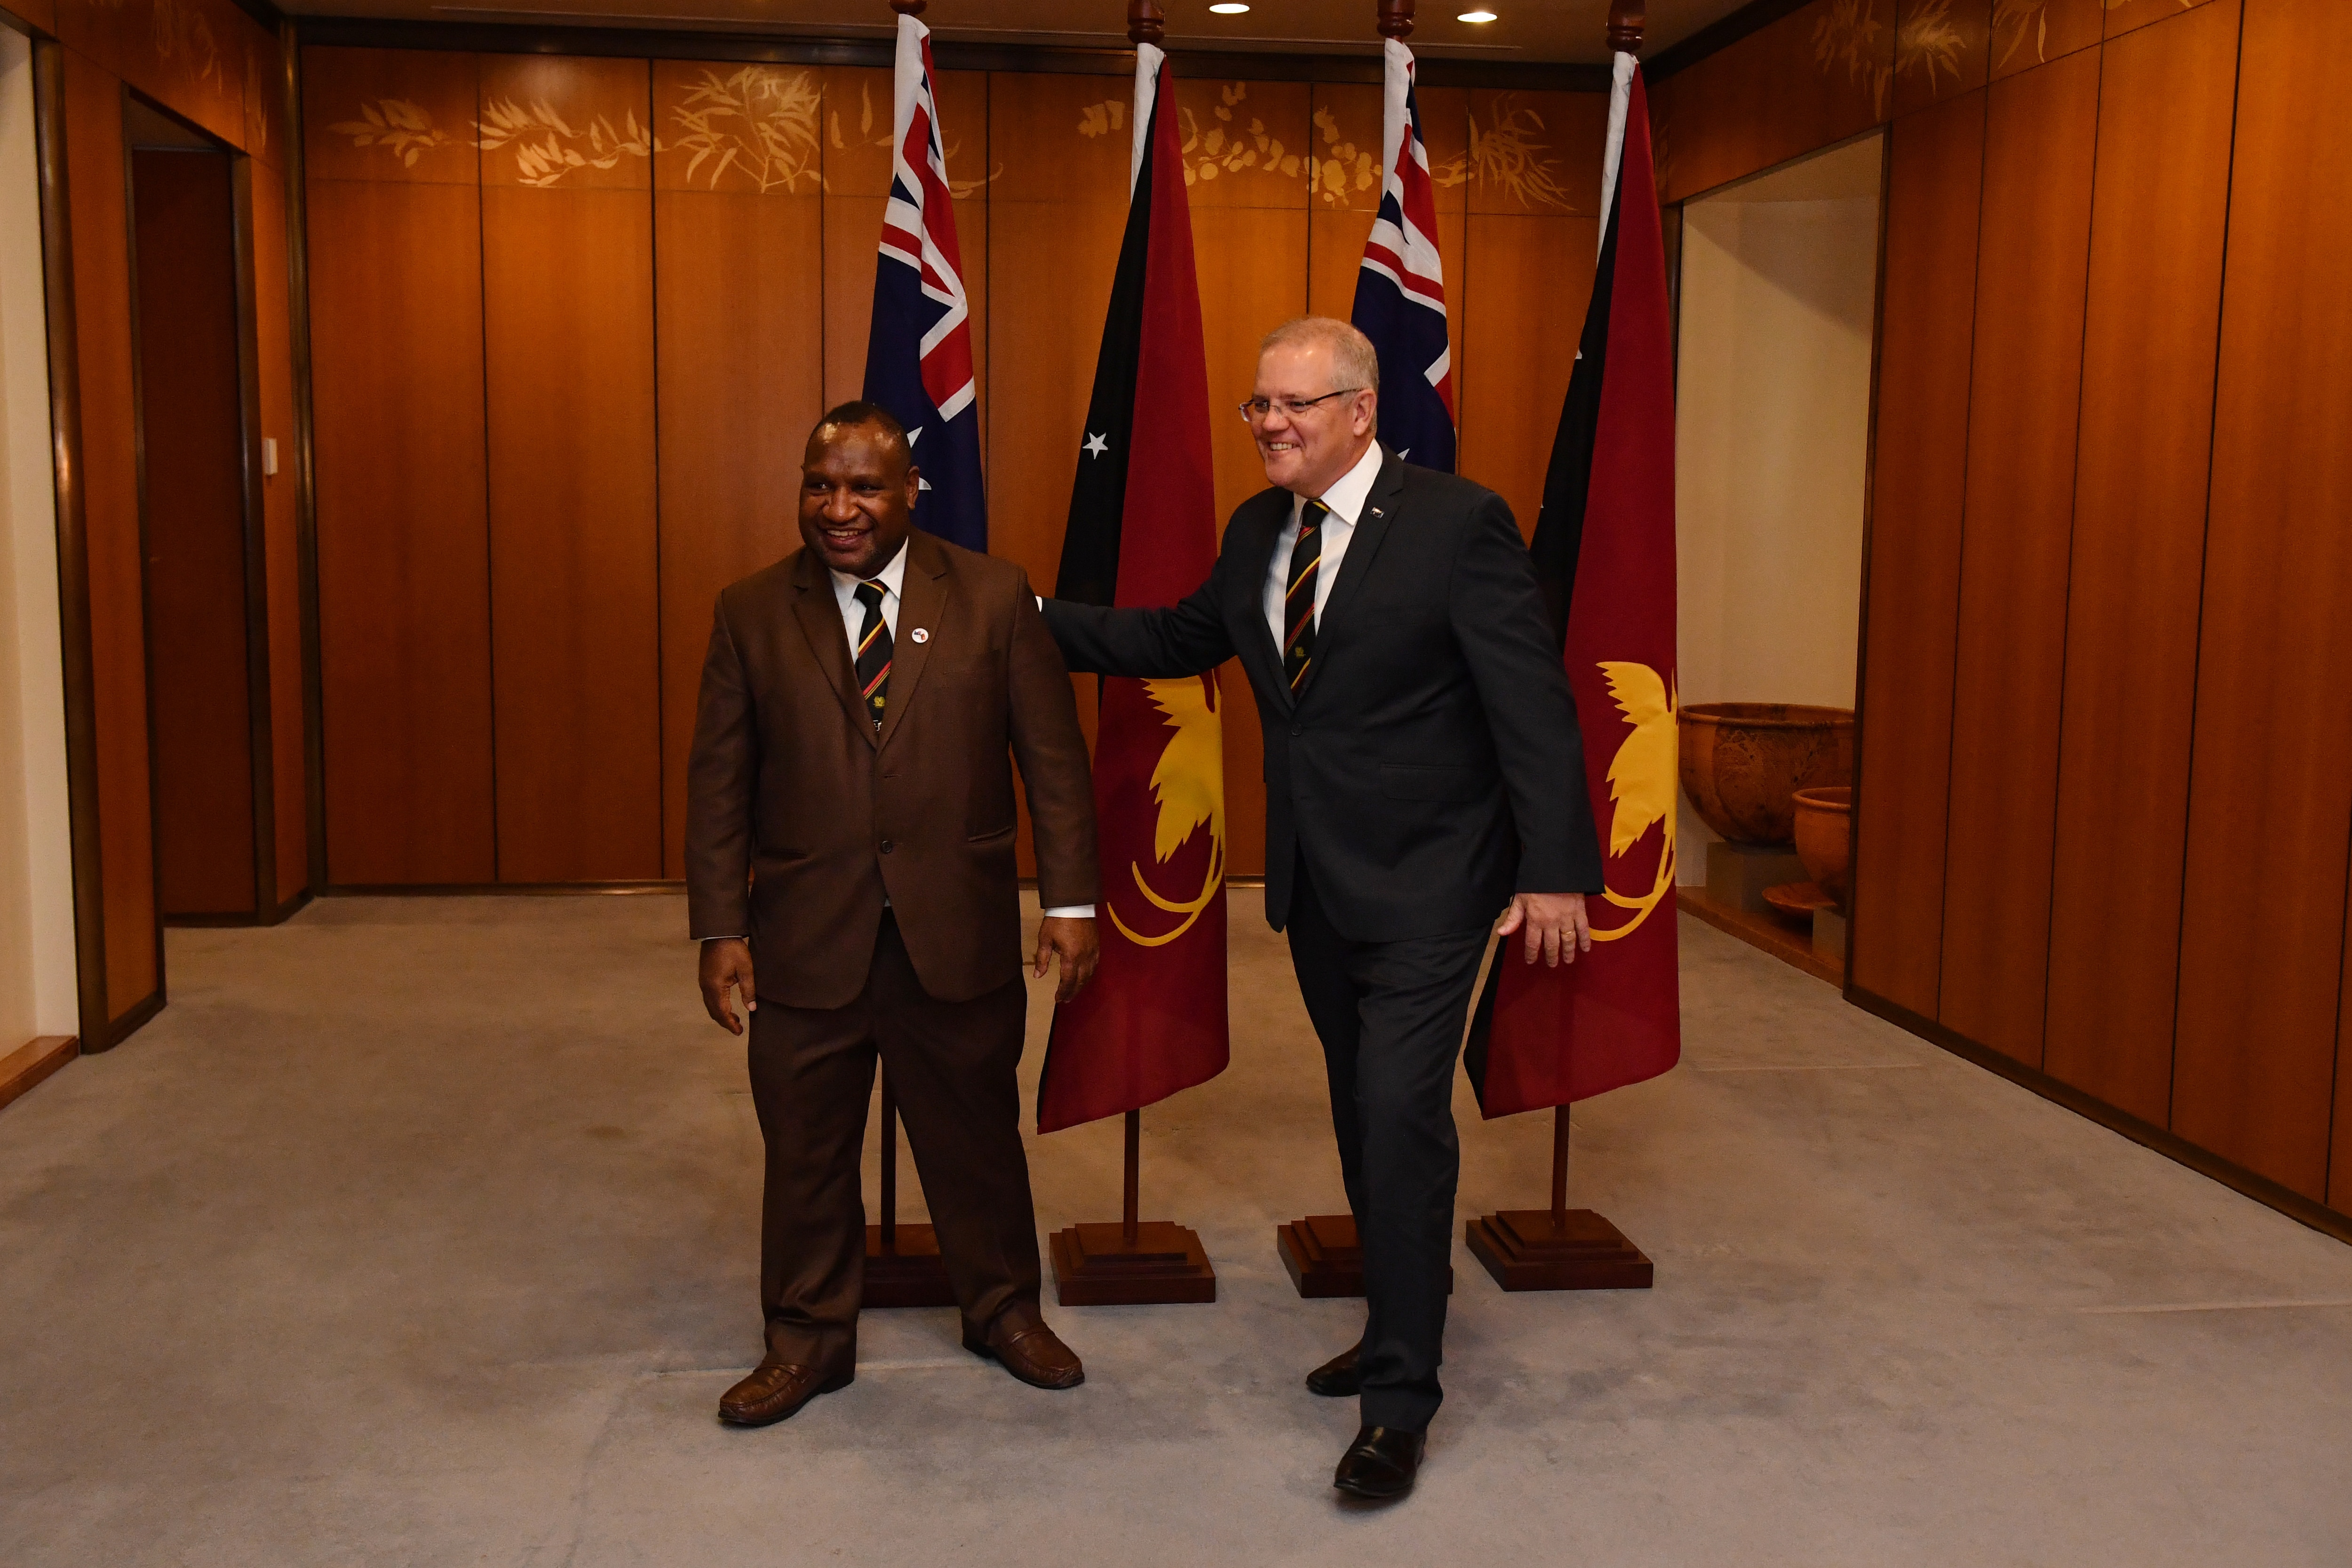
x=1188, y=637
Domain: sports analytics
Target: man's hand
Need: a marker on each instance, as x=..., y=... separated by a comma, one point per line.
x=1555, y=924
x=1080, y=947
x=726, y=961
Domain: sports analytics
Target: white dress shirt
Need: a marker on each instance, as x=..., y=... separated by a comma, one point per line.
x=1346, y=499
x=853, y=621
x=853, y=613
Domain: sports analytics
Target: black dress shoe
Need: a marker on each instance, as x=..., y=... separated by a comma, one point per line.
x=1380, y=1464
x=1341, y=1377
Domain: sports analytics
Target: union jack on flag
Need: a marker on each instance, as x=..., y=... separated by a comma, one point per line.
x=918, y=362
x=1400, y=289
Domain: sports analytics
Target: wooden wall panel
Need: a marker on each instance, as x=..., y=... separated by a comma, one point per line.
x=41, y=13
x=1530, y=244
x=2025, y=382
x=1526, y=282
x=1927, y=301
x=2165, y=98
x=188, y=55
x=287, y=719
x=2123, y=15
x=192, y=482
x=2270, y=801
x=395, y=280
x=101, y=264
x=1942, y=48
x=1817, y=76
x=2027, y=33
x=568, y=333
x=264, y=99
x=857, y=108
x=737, y=278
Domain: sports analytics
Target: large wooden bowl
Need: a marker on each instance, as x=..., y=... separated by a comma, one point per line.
x=1743, y=763
x=1825, y=838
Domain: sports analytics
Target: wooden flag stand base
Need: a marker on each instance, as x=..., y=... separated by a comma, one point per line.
x=903, y=1268
x=1558, y=1248
x=1135, y=1263
x=1324, y=1258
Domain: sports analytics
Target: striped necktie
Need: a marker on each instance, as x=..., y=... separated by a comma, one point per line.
x=873, y=651
x=1298, y=599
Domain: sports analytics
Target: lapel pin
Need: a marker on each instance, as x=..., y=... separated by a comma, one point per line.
x=1377, y=512
x=919, y=635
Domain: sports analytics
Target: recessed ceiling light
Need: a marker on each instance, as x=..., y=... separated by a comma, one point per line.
x=1475, y=16
x=1229, y=9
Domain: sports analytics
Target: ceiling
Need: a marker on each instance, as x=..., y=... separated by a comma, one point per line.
x=1525, y=31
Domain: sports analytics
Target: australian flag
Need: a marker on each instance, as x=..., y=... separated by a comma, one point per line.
x=918, y=362
x=1401, y=291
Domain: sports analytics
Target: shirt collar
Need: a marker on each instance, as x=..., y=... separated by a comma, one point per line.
x=892, y=575
x=1348, y=492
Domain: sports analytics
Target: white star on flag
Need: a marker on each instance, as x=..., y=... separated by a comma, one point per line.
x=1096, y=444
x=912, y=436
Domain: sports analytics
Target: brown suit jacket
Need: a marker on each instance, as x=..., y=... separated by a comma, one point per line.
x=800, y=818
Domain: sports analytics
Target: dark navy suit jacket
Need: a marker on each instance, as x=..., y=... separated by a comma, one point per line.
x=1428, y=765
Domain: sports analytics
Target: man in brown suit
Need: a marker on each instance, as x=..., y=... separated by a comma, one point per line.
x=849, y=828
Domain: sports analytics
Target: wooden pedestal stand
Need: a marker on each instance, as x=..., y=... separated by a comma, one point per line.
x=903, y=1268
x=1134, y=1263
x=1558, y=1248
x=1324, y=1258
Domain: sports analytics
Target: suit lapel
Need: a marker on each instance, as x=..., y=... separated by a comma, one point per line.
x=923, y=602
x=819, y=613
x=1259, y=647
x=1371, y=527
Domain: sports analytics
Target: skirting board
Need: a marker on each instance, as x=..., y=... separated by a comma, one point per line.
x=2171, y=1145
x=29, y=1063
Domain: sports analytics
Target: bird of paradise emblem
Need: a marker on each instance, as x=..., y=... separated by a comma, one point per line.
x=1189, y=785
x=1642, y=783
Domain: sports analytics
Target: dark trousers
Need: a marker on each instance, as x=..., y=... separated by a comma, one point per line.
x=952, y=1065
x=1390, y=1014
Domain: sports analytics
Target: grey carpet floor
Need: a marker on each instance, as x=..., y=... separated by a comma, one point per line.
x=423, y=1231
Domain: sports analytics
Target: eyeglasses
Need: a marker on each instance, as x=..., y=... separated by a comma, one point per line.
x=1258, y=408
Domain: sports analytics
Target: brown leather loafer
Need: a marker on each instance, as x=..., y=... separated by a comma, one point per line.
x=1341, y=1377
x=1029, y=1350
x=777, y=1389
x=1380, y=1464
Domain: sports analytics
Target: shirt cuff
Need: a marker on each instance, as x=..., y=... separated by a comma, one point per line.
x=737, y=936
x=1071, y=912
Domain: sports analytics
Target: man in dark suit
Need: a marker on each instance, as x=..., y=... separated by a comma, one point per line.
x=1423, y=773
x=849, y=828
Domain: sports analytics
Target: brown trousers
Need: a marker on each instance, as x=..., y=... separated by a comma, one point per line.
x=953, y=1066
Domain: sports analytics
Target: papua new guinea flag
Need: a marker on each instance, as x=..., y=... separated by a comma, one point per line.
x=1400, y=286
x=919, y=361
x=1143, y=532
x=1604, y=554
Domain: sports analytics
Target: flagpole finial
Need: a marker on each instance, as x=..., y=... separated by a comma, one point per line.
x=909, y=8
x=1625, y=21
x=1146, y=22
x=1396, y=19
